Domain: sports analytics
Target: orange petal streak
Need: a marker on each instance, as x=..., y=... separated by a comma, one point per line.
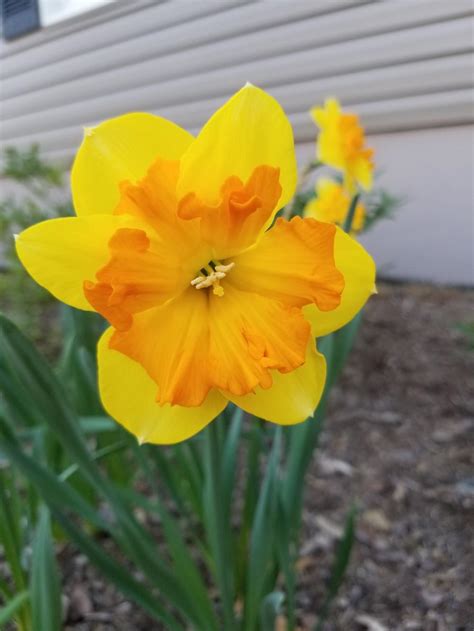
x=171, y=343
x=294, y=263
x=242, y=214
x=153, y=200
x=249, y=335
x=140, y=274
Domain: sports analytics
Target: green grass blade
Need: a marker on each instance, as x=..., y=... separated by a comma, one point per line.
x=287, y=553
x=254, y=443
x=13, y=606
x=229, y=459
x=98, y=455
x=44, y=582
x=218, y=528
x=270, y=609
x=10, y=531
x=341, y=561
x=262, y=537
x=26, y=380
x=53, y=491
x=185, y=567
x=117, y=574
x=303, y=438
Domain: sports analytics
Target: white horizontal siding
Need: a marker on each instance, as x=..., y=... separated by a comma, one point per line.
x=181, y=60
x=403, y=65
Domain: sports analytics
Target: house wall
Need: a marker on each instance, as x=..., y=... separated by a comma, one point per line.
x=404, y=65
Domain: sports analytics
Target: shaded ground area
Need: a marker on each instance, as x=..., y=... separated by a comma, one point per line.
x=398, y=441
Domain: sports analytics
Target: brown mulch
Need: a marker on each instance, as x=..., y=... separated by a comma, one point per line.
x=398, y=441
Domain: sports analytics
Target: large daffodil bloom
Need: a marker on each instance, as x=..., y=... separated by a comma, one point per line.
x=341, y=144
x=332, y=203
x=206, y=305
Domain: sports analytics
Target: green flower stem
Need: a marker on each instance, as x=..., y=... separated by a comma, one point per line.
x=217, y=523
x=350, y=213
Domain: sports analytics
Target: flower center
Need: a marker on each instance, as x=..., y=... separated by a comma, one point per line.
x=211, y=276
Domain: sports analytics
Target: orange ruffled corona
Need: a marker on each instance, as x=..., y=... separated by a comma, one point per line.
x=171, y=244
x=332, y=203
x=341, y=145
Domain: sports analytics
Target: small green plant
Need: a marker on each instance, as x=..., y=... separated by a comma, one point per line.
x=38, y=193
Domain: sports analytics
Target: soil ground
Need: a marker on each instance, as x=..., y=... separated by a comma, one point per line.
x=398, y=441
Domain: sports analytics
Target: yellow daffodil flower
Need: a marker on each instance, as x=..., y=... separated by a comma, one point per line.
x=206, y=305
x=341, y=144
x=332, y=203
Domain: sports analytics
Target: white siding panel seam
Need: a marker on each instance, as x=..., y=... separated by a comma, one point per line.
x=154, y=95
x=120, y=28
x=454, y=36
x=355, y=22
x=245, y=15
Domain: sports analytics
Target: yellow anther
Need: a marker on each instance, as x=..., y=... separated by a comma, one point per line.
x=224, y=268
x=197, y=280
x=213, y=278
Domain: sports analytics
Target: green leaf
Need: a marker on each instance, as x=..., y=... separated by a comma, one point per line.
x=185, y=567
x=254, y=443
x=118, y=575
x=287, y=554
x=229, y=459
x=13, y=606
x=341, y=561
x=341, y=342
x=30, y=387
x=44, y=582
x=270, y=609
x=217, y=526
x=53, y=491
x=10, y=530
x=262, y=537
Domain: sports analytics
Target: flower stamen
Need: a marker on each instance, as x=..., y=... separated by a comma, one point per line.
x=214, y=273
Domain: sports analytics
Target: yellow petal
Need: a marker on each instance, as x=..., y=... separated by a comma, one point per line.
x=60, y=254
x=250, y=130
x=293, y=396
x=129, y=396
x=363, y=173
x=118, y=149
x=358, y=269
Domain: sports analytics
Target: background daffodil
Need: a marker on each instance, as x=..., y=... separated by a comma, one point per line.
x=171, y=244
x=331, y=204
x=341, y=145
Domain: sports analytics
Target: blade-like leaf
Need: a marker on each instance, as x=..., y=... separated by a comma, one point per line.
x=53, y=491
x=262, y=537
x=44, y=582
x=218, y=528
x=13, y=606
x=117, y=574
x=229, y=459
x=270, y=609
x=341, y=561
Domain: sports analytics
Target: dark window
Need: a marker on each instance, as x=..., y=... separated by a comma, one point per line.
x=19, y=17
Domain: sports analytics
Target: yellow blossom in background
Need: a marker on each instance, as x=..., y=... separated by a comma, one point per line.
x=205, y=304
x=332, y=204
x=341, y=145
